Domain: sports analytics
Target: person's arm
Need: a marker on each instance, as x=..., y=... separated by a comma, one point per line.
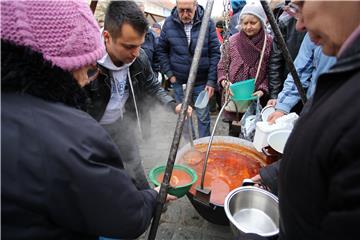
x=289, y=96
x=214, y=56
x=86, y=195
x=152, y=86
x=268, y=176
x=163, y=52
x=221, y=72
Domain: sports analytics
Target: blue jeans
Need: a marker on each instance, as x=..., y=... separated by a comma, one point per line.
x=203, y=115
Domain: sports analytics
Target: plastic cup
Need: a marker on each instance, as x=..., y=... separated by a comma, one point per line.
x=266, y=112
x=202, y=100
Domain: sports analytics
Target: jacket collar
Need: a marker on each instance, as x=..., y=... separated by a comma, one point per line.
x=346, y=47
x=350, y=59
x=136, y=68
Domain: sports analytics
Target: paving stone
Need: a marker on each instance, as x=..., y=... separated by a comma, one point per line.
x=217, y=230
x=187, y=233
x=212, y=237
x=172, y=213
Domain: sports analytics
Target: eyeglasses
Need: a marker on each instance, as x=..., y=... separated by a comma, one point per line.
x=293, y=10
x=185, y=10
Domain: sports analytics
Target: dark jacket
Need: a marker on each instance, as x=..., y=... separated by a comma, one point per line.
x=61, y=174
x=176, y=56
x=237, y=6
x=149, y=46
x=145, y=85
x=269, y=176
x=278, y=70
x=320, y=173
x=234, y=22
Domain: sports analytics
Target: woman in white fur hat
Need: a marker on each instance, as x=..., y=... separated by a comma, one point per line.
x=245, y=48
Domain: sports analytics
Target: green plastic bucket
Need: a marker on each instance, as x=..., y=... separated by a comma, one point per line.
x=178, y=191
x=243, y=90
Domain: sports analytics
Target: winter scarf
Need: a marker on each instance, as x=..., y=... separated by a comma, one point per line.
x=250, y=50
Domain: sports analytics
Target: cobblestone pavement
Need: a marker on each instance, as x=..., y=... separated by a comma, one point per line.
x=181, y=220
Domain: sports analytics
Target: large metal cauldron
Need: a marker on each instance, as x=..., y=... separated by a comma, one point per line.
x=214, y=210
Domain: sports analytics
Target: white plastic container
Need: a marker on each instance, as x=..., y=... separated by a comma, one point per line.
x=278, y=139
x=266, y=112
x=287, y=119
x=263, y=129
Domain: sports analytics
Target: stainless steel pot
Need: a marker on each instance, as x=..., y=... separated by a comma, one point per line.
x=252, y=210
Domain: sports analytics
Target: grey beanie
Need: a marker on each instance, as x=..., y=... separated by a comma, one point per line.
x=256, y=9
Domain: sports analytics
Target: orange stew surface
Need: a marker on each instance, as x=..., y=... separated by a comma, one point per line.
x=228, y=165
x=178, y=178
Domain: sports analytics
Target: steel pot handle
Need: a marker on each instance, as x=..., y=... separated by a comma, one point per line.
x=265, y=150
x=247, y=182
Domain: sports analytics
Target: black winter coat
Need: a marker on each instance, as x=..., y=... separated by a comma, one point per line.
x=176, y=55
x=61, y=174
x=149, y=46
x=319, y=178
x=278, y=69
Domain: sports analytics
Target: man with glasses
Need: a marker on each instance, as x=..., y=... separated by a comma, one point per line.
x=176, y=49
x=310, y=63
x=319, y=194
x=320, y=172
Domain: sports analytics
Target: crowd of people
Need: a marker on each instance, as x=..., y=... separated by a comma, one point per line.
x=75, y=97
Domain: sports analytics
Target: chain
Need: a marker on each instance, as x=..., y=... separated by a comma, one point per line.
x=225, y=45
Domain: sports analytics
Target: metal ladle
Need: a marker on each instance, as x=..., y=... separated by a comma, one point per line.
x=193, y=156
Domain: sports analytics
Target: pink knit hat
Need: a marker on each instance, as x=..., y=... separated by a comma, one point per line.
x=64, y=31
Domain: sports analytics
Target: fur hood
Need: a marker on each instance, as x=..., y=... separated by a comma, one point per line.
x=25, y=71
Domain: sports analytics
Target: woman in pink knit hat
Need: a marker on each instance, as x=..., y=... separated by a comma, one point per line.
x=244, y=50
x=62, y=176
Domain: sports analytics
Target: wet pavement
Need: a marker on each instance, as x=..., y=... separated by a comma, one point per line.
x=181, y=221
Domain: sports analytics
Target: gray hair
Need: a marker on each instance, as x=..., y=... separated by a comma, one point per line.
x=195, y=2
x=238, y=26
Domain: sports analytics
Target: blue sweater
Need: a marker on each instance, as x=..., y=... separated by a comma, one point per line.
x=309, y=63
x=176, y=55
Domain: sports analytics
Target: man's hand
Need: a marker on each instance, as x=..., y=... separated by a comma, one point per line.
x=168, y=196
x=271, y=102
x=210, y=90
x=256, y=179
x=172, y=79
x=275, y=115
x=178, y=108
x=258, y=93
